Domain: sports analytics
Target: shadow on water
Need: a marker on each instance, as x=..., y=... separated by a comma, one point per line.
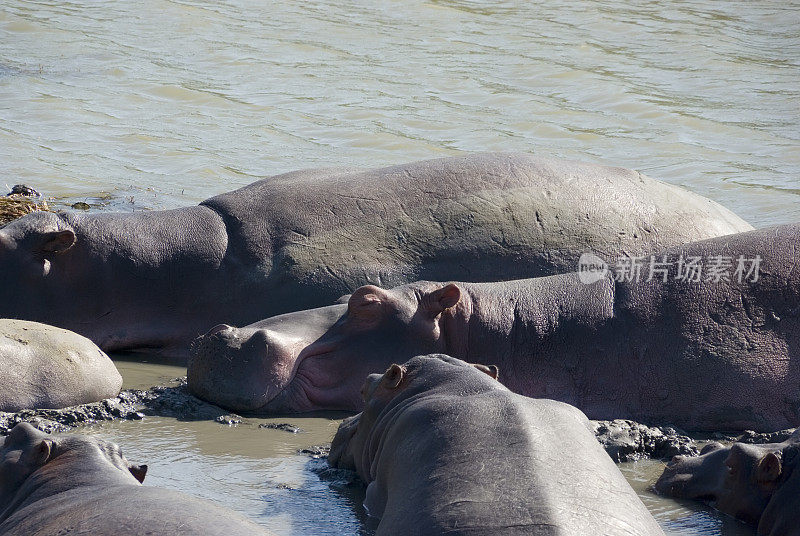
x=332, y=503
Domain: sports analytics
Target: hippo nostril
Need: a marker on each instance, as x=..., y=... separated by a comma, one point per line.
x=261, y=343
x=676, y=459
x=217, y=329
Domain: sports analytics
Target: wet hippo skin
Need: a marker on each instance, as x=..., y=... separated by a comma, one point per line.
x=52, y=485
x=446, y=449
x=705, y=355
x=153, y=281
x=759, y=484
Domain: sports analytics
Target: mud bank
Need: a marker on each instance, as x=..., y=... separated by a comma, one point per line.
x=624, y=440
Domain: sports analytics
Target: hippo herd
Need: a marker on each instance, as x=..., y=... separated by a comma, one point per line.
x=491, y=302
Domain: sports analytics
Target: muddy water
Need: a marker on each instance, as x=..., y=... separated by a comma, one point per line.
x=260, y=473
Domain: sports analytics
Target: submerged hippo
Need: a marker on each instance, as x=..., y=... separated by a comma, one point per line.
x=446, y=449
x=701, y=355
x=53, y=485
x=759, y=484
x=47, y=367
x=156, y=280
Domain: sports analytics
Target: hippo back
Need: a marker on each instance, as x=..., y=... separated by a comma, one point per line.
x=446, y=449
x=483, y=217
x=126, y=510
x=48, y=367
x=502, y=463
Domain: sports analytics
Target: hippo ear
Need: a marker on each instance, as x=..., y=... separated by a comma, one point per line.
x=138, y=472
x=769, y=468
x=491, y=370
x=57, y=241
x=393, y=376
x=366, y=301
x=441, y=299
x=40, y=453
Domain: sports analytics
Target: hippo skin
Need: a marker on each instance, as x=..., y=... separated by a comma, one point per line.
x=703, y=356
x=153, y=281
x=61, y=484
x=446, y=449
x=758, y=484
x=47, y=367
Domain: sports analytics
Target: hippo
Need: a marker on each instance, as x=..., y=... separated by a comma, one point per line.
x=705, y=355
x=71, y=484
x=758, y=484
x=153, y=281
x=48, y=367
x=446, y=449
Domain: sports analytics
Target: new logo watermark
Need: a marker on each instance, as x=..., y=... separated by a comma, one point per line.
x=591, y=268
x=691, y=269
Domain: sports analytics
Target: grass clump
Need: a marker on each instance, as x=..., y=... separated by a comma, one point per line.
x=15, y=206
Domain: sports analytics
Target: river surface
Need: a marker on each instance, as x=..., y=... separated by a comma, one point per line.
x=162, y=103
x=157, y=104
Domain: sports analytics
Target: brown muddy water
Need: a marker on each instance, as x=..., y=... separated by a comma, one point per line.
x=162, y=103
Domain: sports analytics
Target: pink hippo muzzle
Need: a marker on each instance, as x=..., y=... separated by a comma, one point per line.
x=245, y=369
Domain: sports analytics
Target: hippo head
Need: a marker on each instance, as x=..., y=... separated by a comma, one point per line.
x=317, y=359
x=30, y=243
x=31, y=248
x=385, y=395
x=739, y=480
x=27, y=450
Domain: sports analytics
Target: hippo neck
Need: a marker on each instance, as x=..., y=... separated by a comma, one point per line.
x=494, y=322
x=63, y=473
x=152, y=237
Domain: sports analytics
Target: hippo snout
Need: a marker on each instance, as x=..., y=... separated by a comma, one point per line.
x=240, y=369
x=225, y=369
x=220, y=328
x=671, y=483
x=221, y=333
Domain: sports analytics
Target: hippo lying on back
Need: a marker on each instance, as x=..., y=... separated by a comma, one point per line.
x=759, y=484
x=446, y=449
x=55, y=485
x=156, y=280
x=701, y=355
x=47, y=367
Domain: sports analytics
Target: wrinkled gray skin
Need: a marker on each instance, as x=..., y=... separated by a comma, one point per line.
x=759, y=484
x=47, y=367
x=703, y=356
x=52, y=485
x=446, y=449
x=156, y=280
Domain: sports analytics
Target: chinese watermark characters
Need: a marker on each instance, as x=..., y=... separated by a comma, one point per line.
x=690, y=269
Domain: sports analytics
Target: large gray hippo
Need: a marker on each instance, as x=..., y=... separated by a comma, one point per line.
x=156, y=280
x=446, y=449
x=48, y=367
x=702, y=355
x=759, y=484
x=54, y=485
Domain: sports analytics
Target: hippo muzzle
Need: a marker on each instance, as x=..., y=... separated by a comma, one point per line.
x=237, y=368
x=698, y=477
